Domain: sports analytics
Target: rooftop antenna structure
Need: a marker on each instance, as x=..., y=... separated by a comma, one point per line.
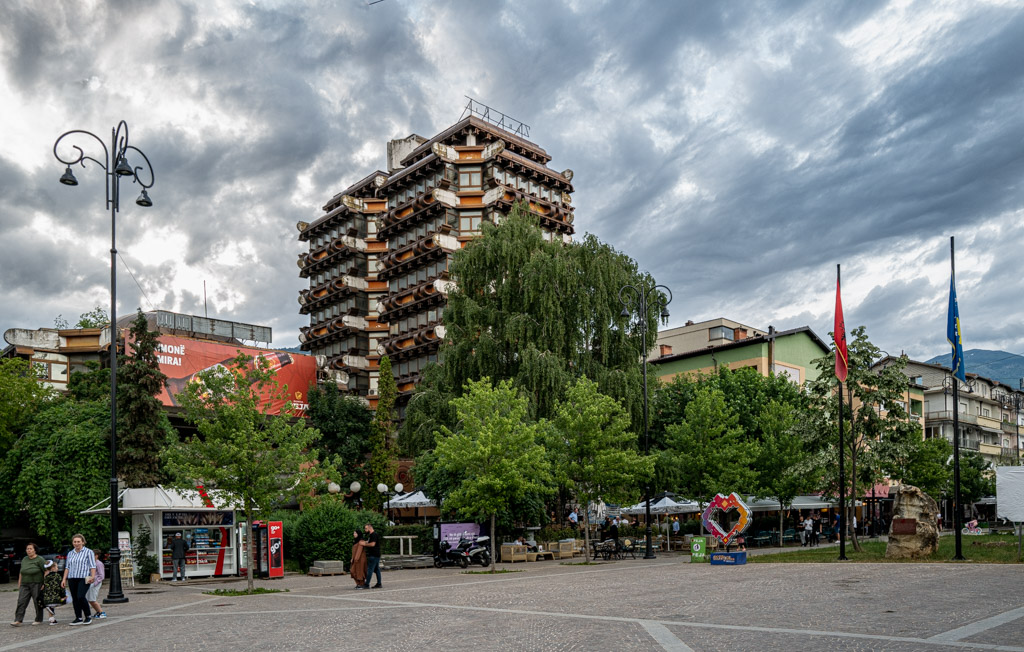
x=495, y=117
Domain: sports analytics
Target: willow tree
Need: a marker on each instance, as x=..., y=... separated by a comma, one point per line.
x=539, y=314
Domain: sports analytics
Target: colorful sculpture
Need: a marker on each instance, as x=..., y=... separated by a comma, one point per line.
x=725, y=503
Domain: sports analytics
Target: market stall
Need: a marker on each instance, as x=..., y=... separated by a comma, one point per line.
x=208, y=531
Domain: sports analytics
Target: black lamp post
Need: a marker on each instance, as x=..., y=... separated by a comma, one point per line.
x=115, y=166
x=634, y=298
x=950, y=382
x=1014, y=401
x=384, y=489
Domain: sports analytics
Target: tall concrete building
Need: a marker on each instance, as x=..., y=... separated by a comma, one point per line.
x=379, y=256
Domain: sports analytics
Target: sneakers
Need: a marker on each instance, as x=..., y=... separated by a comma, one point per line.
x=87, y=621
x=102, y=614
x=361, y=586
x=16, y=623
x=76, y=621
x=376, y=586
x=53, y=621
x=37, y=622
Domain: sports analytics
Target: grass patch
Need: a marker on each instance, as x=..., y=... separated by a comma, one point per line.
x=493, y=572
x=874, y=551
x=259, y=590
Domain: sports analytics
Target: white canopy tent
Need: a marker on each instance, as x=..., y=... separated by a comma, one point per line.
x=664, y=505
x=412, y=499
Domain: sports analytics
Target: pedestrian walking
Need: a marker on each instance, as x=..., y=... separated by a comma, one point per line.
x=357, y=567
x=574, y=518
x=93, y=594
x=53, y=595
x=30, y=585
x=79, y=573
x=371, y=542
x=808, y=528
x=179, y=550
x=816, y=530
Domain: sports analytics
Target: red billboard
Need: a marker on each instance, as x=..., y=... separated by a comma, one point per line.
x=181, y=359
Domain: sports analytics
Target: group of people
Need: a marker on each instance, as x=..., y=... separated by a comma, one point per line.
x=365, y=557
x=40, y=584
x=810, y=530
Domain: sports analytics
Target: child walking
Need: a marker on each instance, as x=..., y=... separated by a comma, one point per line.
x=53, y=595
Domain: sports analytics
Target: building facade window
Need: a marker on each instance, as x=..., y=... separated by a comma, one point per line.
x=720, y=333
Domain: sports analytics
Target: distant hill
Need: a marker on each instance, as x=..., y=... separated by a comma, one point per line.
x=998, y=365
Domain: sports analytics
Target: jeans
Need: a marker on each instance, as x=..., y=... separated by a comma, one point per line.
x=372, y=566
x=178, y=566
x=29, y=591
x=78, y=589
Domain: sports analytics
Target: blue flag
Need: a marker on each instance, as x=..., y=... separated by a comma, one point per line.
x=954, y=333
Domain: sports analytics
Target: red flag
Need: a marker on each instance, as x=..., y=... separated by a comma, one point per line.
x=839, y=336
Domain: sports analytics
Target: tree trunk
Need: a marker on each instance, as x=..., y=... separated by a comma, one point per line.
x=493, y=556
x=250, y=554
x=853, y=497
x=780, y=523
x=586, y=532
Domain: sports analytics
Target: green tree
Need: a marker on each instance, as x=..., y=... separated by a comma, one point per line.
x=928, y=468
x=382, y=453
x=60, y=467
x=592, y=450
x=21, y=398
x=344, y=425
x=143, y=429
x=536, y=313
x=782, y=460
x=257, y=460
x=977, y=479
x=494, y=451
x=95, y=318
x=706, y=453
x=874, y=417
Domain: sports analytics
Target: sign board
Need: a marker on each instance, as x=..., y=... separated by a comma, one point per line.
x=206, y=517
x=728, y=558
x=276, y=537
x=453, y=532
x=207, y=326
x=698, y=549
x=1010, y=493
x=181, y=359
x=904, y=526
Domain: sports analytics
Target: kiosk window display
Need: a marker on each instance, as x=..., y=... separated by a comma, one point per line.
x=208, y=534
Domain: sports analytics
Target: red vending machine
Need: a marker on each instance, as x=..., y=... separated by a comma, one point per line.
x=276, y=539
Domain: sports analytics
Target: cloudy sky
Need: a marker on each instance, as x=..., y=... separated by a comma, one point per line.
x=736, y=150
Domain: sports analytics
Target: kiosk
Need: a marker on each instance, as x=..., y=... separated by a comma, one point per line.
x=209, y=532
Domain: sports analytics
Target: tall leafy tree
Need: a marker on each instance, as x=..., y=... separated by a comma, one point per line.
x=143, y=428
x=256, y=459
x=874, y=417
x=782, y=457
x=538, y=314
x=494, y=451
x=592, y=450
x=976, y=478
x=60, y=467
x=21, y=398
x=928, y=468
x=382, y=429
x=344, y=425
x=706, y=453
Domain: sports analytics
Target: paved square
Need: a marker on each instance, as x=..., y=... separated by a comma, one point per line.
x=665, y=604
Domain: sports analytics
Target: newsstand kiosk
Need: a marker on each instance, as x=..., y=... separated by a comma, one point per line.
x=268, y=537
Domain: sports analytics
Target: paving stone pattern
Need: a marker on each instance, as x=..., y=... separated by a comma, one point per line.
x=664, y=604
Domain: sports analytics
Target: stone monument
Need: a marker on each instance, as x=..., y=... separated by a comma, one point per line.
x=914, y=532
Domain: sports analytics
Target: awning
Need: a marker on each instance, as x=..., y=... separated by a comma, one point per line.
x=149, y=499
x=415, y=498
x=664, y=505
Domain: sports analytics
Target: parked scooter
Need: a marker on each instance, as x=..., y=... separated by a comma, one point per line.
x=448, y=556
x=478, y=550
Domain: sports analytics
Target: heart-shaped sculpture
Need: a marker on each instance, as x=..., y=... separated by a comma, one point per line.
x=725, y=503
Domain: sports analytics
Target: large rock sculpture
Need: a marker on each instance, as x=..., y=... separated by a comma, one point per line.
x=914, y=532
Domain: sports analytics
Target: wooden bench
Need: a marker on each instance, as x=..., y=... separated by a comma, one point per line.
x=512, y=553
x=540, y=556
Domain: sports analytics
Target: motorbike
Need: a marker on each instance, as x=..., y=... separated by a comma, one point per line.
x=478, y=550
x=448, y=556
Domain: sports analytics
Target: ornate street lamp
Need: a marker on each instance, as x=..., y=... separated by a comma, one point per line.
x=383, y=488
x=635, y=299
x=115, y=167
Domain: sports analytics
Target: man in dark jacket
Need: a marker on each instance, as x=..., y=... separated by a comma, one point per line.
x=179, y=549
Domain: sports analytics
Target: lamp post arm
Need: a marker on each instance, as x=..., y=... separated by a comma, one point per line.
x=136, y=169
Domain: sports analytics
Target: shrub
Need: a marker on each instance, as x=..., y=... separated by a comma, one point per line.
x=145, y=565
x=290, y=519
x=325, y=532
x=554, y=533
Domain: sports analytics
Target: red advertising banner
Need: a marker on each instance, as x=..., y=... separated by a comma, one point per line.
x=276, y=548
x=181, y=359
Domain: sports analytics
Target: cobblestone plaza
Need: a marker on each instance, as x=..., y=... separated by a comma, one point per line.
x=665, y=604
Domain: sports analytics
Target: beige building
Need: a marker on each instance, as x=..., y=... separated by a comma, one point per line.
x=989, y=421
x=693, y=336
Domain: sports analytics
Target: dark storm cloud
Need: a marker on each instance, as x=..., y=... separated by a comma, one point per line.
x=737, y=152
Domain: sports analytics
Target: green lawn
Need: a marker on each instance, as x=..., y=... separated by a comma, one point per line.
x=874, y=551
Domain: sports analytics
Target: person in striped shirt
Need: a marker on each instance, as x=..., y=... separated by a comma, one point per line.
x=79, y=573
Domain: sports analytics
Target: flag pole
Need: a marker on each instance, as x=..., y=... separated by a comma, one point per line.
x=957, y=509
x=842, y=454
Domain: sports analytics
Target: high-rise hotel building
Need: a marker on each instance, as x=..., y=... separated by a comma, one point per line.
x=379, y=255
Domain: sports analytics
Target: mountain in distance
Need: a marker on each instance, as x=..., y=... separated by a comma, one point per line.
x=1007, y=368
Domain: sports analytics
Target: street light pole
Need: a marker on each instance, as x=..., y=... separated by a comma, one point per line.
x=115, y=165
x=635, y=297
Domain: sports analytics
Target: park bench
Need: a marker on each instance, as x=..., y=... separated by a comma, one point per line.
x=511, y=553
